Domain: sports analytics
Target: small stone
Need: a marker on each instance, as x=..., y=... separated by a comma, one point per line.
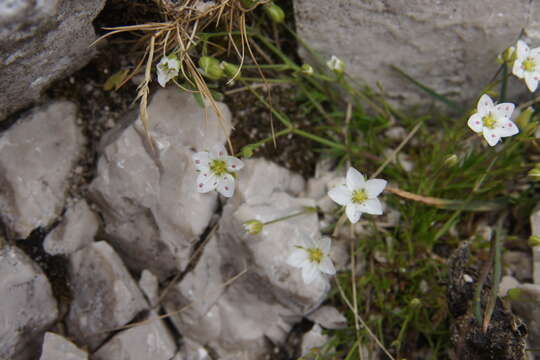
x=518, y=264
x=28, y=307
x=190, y=350
x=75, y=231
x=507, y=283
x=37, y=155
x=150, y=286
x=56, y=347
x=328, y=317
x=105, y=296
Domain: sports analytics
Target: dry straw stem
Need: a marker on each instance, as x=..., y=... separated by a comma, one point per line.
x=179, y=33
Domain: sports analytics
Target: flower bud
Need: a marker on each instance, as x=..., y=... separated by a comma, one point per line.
x=534, y=174
x=534, y=240
x=514, y=294
x=524, y=118
x=210, y=67
x=415, y=302
x=306, y=69
x=451, y=161
x=253, y=227
x=274, y=12
x=507, y=56
x=336, y=65
x=230, y=70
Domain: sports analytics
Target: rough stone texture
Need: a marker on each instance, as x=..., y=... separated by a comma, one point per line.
x=518, y=264
x=191, y=350
x=150, y=340
x=450, y=46
x=153, y=213
x=42, y=41
x=104, y=294
x=239, y=316
x=527, y=308
x=535, y=230
x=75, y=231
x=28, y=306
x=56, y=347
x=36, y=157
x=149, y=285
x=328, y=317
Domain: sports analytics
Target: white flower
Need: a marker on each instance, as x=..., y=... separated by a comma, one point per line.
x=493, y=121
x=335, y=64
x=307, y=69
x=216, y=171
x=527, y=65
x=167, y=69
x=358, y=195
x=312, y=256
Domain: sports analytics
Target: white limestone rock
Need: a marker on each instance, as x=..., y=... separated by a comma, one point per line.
x=56, y=347
x=328, y=317
x=28, y=307
x=149, y=285
x=36, y=157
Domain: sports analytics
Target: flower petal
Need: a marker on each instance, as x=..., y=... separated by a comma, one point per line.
x=310, y=272
x=485, y=104
x=522, y=49
x=201, y=160
x=517, y=69
x=475, y=123
x=371, y=206
x=325, y=243
x=326, y=266
x=374, y=187
x=297, y=258
x=233, y=164
x=531, y=79
x=505, y=109
x=162, y=78
x=491, y=136
x=218, y=151
x=507, y=128
x=353, y=213
x=206, y=182
x=340, y=194
x=355, y=179
x=225, y=185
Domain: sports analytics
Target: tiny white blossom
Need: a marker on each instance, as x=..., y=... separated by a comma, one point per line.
x=493, y=121
x=358, y=195
x=336, y=64
x=527, y=64
x=167, y=69
x=216, y=170
x=313, y=257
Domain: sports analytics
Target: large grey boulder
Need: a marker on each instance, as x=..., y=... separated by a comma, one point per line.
x=36, y=158
x=57, y=347
x=105, y=296
x=450, y=46
x=28, y=307
x=42, y=41
x=152, y=211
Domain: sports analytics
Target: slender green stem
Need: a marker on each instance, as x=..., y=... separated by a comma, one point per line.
x=504, y=83
x=496, y=275
x=307, y=210
x=320, y=139
x=270, y=81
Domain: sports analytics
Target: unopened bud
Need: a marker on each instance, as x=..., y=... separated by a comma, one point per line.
x=524, y=118
x=534, y=174
x=415, y=302
x=336, y=65
x=230, y=70
x=513, y=294
x=253, y=227
x=274, y=12
x=210, y=67
x=306, y=69
x=507, y=56
x=451, y=161
x=534, y=240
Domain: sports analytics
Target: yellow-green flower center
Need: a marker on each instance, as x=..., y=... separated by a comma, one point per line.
x=315, y=255
x=489, y=121
x=529, y=64
x=218, y=167
x=359, y=196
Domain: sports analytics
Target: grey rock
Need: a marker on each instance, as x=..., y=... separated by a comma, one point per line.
x=36, y=157
x=313, y=339
x=328, y=317
x=75, y=231
x=153, y=213
x=191, y=350
x=242, y=292
x=149, y=284
x=40, y=42
x=28, y=305
x=105, y=296
x=149, y=340
x=535, y=231
x=450, y=46
x=507, y=283
x=518, y=264
x=527, y=308
x=57, y=347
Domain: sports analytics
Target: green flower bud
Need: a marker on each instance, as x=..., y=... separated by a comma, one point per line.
x=524, y=118
x=514, y=294
x=306, y=69
x=253, y=227
x=534, y=174
x=230, y=70
x=247, y=151
x=451, y=161
x=210, y=67
x=534, y=240
x=415, y=302
x=274, y=12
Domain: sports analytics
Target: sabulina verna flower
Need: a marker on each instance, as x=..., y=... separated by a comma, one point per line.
x=216, y=171
x=167, y=69
x=313, y=257
x=493, y=121
x=336, y=64
x=358, y=195
x=527, y=64
x=253, y=227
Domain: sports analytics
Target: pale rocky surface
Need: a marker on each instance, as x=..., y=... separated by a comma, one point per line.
x=451, y=46
x=242, y=293
x=328, y=317
x=152, y=213
x=148, y=341
x=77, y=230
x=190, y=350
x=28, y=305
x=42, y=41
x=56, y=347
x=527, y=308
x=149, y=285
x=535, y=230
x=104, y=294
x=36, y=157
x=518, y=264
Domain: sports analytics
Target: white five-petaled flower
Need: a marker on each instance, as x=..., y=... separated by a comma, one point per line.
x=493, y=121
x=216, y=170
x=336, y=64
x=313, y=257
x=167, y=69
x=527, y=65
x=358, y=195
